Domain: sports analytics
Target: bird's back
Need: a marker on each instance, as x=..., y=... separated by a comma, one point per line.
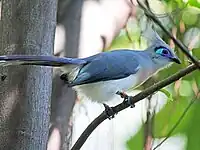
x=110, y=72
x=107, y=66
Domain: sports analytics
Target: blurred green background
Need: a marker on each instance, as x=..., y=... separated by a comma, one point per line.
x=182, y=18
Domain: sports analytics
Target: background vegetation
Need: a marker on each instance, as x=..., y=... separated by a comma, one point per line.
x=182, y=18
x=87, y=27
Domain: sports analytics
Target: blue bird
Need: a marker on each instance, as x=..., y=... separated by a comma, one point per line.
x=101, y=76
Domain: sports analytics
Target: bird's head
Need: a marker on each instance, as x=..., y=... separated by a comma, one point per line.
x=161, y=54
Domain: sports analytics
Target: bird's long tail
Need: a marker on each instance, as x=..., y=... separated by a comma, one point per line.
x=39, y=60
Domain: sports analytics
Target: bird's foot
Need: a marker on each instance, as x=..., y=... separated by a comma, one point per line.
x=64, y=77
x=109, y=111
x=189, y=61
x=127, y=99
x=122, y=94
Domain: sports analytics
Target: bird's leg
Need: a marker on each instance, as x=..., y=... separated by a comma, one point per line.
x=122, y=94
x=109, y=111
x=126, y=98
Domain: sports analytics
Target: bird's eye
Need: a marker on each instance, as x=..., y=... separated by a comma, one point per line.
x=164, y=51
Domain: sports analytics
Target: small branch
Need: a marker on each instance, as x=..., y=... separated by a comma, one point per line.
x=147, y=4
x=148, y=126
x=183, y=48
x=79, y=143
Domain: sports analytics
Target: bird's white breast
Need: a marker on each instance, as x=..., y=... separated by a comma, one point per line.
x=106, y=90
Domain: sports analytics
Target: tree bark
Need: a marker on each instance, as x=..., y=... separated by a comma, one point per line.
x=26, y=27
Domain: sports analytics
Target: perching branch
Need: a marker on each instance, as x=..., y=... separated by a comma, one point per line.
x=103, y=116
x=182, y=47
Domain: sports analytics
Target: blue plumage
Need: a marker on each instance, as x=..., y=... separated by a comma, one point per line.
x=107, y=66
x=100, y=76
x=40, y=60
x=101, y=67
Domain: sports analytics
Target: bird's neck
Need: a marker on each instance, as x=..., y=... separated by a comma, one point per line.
x=148, y=67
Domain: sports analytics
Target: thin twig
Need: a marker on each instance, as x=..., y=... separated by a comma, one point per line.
x=103, y=116
x=128, y=35
x=175, y=126
x=165, y=14
x=182, y=47
x=148, y=125
x=147, y=4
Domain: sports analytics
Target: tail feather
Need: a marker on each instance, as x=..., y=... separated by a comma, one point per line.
x=39, y=60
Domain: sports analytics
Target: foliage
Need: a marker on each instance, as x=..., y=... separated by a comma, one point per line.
x=183, y=19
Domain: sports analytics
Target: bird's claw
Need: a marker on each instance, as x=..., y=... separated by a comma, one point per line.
x=127, y=99
x=189, y=61
x=122, y=94
x=64, y=78
x=109, y=111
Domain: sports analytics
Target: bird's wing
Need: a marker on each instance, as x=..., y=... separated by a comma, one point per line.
x=107, y=66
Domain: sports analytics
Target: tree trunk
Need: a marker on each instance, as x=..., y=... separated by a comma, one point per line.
x=26, y=27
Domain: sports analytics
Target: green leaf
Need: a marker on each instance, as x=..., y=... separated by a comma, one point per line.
x=193, y=130
x=185, y=88
x=194, y=3
x=196, y=52
x=121, y=41
x=164, y=121
x=168, y=116
x=189, y=17
x=168, y=94
x=192, y=37
x=132, y=31
x=137, y=141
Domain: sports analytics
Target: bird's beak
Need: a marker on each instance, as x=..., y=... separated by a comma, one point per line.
x=176, y=60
